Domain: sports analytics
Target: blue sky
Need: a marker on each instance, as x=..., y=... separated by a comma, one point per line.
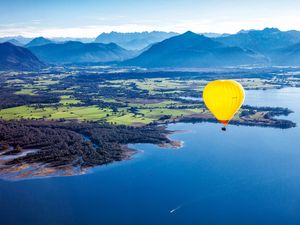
x=89, y=18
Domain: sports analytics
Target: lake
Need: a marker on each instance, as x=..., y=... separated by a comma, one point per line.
x=246, y=175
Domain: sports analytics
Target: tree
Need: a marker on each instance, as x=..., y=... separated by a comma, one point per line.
x=18, y=148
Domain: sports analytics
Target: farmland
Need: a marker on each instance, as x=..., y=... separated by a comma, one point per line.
x=135, y=99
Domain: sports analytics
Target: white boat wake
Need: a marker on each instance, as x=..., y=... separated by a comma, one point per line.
x=175, y=209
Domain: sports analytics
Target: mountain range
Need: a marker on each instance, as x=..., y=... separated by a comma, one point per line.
x=193, y=50
x=135, y=40
x=22, y=41
x=262, y=41
x=78, y=52
x=266, y=47
x=18, y=58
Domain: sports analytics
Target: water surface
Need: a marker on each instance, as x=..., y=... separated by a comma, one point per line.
x=246, y=175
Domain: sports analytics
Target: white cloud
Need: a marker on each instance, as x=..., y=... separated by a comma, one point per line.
x=86, y=31
x=220, y=25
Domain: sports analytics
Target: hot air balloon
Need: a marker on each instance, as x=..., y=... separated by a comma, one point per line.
x=223, y=98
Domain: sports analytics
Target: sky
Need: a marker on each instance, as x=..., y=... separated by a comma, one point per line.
x=89, y=18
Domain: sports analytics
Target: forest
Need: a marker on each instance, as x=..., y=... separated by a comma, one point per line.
x=30, y=148
x=72, y=143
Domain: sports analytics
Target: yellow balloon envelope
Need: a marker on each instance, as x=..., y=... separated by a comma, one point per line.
x=223, y=98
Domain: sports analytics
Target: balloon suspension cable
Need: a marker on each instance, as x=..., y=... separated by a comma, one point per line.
x=224, y=128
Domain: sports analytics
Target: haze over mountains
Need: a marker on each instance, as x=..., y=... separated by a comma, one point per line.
x=134, y=41
x=22, y=40
x=130, y=41
x=266, y=47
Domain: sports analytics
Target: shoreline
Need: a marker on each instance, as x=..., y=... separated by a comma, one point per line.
x=27, y=171
x=271, y=121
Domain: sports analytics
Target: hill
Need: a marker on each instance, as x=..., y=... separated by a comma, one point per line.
x=193, y=50
x=18, y=58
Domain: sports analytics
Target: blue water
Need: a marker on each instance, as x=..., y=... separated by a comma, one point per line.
x=246, y=175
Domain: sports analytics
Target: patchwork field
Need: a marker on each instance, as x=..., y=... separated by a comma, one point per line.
x=118, y=99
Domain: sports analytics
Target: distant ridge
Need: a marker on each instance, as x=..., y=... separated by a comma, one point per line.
x=77, y=52
x=38, y=42
x=262, y=41
x=15, y=42
x=19, y=38
x=135, y=40
x=18, y=58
